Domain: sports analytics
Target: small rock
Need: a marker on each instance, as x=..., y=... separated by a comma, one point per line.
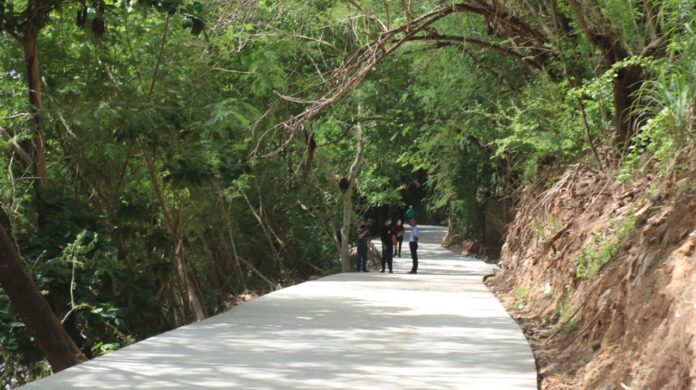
x=548, y=370
x=596, y=345
x=548, y=290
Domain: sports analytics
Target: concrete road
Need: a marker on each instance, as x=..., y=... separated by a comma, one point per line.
x=439, y=329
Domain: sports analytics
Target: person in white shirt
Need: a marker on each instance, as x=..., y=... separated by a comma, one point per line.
x=413, y=245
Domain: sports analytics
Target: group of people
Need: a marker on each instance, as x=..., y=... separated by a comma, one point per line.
x=392, y=237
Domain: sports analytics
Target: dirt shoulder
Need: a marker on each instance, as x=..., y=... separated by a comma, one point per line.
x=603, y=277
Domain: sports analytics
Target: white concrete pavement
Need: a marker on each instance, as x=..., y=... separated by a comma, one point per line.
x=439, y=329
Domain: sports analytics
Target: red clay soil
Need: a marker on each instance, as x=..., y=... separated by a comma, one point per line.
x=629, y=322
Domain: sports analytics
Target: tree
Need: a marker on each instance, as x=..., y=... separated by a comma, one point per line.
x=51, y=338
x=24, y=26
x=347, y=194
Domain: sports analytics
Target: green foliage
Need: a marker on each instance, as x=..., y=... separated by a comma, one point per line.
x=566, y=313
x=602, y=248
x=669, y=112
x=522, y=297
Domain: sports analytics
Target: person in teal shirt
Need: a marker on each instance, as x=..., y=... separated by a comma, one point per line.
x=410, y=213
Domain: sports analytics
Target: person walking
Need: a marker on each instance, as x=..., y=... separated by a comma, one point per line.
x=363, y=234
x=387, y=245
x=413, y=245
x=399, y=232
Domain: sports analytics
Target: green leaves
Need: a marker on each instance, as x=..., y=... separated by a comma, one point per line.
x=193, y=17
x=192, y=23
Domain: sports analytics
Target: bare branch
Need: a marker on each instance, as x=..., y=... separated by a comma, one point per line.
x=15, y=146
x=369, y=15
x=473, y=41
x=342, y=80
x=346, y=77
x=406, y=6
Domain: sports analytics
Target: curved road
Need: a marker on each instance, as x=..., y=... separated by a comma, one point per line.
x=440, y=329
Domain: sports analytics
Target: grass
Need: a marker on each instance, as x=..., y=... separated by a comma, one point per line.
x=550, y=222
x=521, y=297
x=602, y=249
x=570, y=325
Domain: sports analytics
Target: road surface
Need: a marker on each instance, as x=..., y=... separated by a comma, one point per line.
x=439, y=329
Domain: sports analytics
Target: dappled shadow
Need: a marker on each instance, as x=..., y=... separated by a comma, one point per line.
x=347, y=331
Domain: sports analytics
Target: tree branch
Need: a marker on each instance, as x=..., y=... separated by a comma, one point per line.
x=368, y=14
x=473, y=41
x=15, y=146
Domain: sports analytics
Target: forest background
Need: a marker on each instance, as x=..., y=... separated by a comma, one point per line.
x=162, y=159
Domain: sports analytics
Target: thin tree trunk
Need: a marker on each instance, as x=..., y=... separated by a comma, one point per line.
x=345, y=230
x=174, y=228
x=347, y=197
x=187, y=278
x=31, y=58
x=51, y=338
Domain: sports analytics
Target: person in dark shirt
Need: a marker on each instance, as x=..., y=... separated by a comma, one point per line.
x=363, y=234
x=387, y=245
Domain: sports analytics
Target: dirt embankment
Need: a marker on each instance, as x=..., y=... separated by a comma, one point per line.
x=603, y=277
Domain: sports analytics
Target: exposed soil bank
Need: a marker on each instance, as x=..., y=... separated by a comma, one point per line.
x=603, y=277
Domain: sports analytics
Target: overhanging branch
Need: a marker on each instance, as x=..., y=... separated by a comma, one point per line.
x=478, y=42
x=342, y=80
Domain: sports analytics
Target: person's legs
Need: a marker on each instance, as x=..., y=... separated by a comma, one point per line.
x=385, y=253
x=401, y=241
x=414, y=256
x=362, y=258
x=390, y=257
x=358, y=260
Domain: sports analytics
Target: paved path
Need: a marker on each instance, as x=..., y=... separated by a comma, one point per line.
x=440, y=329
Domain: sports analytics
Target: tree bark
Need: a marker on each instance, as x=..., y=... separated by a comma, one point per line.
x=188, y=279
x=625, y=87
x=31, y=59
x=347, y=198
x=173, y=223
x=55, y=343
x=628, y=79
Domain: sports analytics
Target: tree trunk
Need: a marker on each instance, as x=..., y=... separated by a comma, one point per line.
x=38, y=143
x=51, y=338
x=173, y=225
x=188, y=280
x=625, y=84
x=450, y=221
x=347, y=198
x=345, y=230
x=625, y=87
